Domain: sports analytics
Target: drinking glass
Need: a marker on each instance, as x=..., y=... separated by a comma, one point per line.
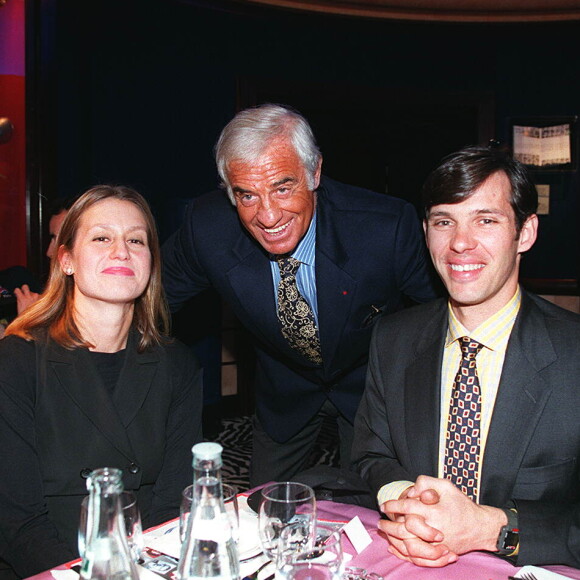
x=131, y=518
x=321, y=561
x=353, y=573
x=284, y=504
x=294, y=538
x=133, y=527
x=230, y=495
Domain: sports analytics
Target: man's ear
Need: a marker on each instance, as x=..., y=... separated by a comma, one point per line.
x=528, y=234
x=317, y=174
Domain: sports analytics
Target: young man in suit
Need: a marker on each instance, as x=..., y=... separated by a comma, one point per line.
x=356, y=253
x=484, y=457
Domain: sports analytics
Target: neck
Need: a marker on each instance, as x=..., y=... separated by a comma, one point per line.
x=469, y=316
x=106, y=328
x=472, y=316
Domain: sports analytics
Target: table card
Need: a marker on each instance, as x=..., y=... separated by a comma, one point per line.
x=357, y=534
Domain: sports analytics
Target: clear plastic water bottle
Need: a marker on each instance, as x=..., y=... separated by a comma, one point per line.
x=209, y=549
x=106, y=555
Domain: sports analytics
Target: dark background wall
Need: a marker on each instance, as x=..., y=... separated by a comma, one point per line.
x=145, y=86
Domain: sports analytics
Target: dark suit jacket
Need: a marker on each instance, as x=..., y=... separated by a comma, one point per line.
x=369, y=252
x=533, y=446
x=58, y=422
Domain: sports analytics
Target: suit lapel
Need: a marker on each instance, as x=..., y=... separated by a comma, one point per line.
x=136, y=379
x=77, y=375
x=521, y=398
x=250, y=281
x=422, y=394
x=335, y=287
x=335, y=290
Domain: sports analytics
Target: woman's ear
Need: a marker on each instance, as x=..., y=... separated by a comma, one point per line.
x=65, y=261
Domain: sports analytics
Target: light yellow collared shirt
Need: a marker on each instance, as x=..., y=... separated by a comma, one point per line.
x=494, y=334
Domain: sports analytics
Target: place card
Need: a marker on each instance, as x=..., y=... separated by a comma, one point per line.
x=357, y=534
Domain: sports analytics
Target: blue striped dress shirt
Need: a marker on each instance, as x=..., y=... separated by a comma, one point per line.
x=305, y=253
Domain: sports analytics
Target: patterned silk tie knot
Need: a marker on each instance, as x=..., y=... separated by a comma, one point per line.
x=463, y=437
x=295, y=315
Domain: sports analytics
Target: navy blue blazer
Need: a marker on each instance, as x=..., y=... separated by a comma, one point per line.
x=532, y=451
x=369, y=253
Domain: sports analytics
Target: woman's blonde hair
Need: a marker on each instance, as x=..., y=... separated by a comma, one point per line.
x=54, y=310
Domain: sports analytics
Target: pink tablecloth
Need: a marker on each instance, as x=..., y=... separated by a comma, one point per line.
x=375, y=558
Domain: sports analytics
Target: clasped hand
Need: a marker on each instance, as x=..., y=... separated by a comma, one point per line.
x=434, y=522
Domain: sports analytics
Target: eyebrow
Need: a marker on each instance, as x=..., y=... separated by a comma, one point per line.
x=238, y=189
x=283, y=181
x=482, y=211
x=111, y=227
x=275, y=185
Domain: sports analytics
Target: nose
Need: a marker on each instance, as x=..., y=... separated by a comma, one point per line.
x=119, y=250
x=462, y=239
x=268, y=213
x=51, y=249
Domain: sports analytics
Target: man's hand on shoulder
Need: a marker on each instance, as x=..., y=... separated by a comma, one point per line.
x=436, y=505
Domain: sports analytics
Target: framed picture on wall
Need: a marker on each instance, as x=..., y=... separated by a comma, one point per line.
x=546, y=143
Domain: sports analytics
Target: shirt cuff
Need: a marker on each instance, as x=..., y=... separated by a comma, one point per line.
x=393, y=490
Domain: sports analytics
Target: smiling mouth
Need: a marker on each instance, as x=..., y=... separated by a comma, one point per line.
x=278, y=230
x=466, y=267
x=119, y=271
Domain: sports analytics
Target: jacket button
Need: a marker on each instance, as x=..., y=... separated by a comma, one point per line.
x=134, y=468
x=85, y=472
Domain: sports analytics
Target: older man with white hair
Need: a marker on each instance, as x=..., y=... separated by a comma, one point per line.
x=308, y=265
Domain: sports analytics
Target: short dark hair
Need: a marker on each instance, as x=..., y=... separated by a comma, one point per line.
x=61, y=204
x=461, y=173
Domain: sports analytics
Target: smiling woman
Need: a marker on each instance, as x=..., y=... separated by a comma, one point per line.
x=88, y=379
x=110, y=260
x=108, y=228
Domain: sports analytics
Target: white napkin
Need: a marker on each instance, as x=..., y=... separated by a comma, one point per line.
x=540, y=573
x=64, y=575
x=168, y=543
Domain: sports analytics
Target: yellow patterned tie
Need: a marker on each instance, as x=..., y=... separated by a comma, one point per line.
x=295, y=315
x=463, y=437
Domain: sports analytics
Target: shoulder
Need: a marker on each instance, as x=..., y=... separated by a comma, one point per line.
x=210, y=206
x=17, y=363
x=406, y=324
x=558, y=320
x=179, y=359
x=15, y=348
x=351, y=198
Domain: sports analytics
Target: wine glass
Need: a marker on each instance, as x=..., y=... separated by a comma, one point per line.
x=132, y=521
x=284, y=504
x=133, y=527
x=230, y=495
x=304, y=561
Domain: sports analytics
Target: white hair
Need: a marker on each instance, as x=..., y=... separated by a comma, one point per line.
x=250, y=132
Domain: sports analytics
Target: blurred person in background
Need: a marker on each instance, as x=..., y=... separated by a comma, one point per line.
x=27, y=294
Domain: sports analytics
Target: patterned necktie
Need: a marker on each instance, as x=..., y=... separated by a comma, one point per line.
x=295, y=315
x=463, y=425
